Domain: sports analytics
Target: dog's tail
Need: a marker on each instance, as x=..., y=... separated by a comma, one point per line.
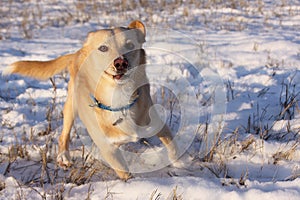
x=40, y=69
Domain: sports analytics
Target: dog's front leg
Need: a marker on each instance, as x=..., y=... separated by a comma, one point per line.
x=166, y=138
x=113, y=156
x=63, y=158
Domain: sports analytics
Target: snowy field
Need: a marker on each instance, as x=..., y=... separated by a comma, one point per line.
x=229, y=67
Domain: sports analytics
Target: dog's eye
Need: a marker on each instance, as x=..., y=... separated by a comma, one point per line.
x=103, y=48
x=129, y=45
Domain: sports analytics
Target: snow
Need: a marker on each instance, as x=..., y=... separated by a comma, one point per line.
x=203, y=188
x=232, y=70
x=188, y=188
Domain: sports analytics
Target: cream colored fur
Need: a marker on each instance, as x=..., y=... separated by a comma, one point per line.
x=91, y=72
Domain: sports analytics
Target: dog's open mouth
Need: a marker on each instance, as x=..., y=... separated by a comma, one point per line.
x=118, y=76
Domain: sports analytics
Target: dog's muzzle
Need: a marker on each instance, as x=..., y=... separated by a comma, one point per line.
x=121, y=65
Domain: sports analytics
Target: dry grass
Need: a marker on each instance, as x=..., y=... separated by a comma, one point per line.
x=33, y=16
x=156, y=195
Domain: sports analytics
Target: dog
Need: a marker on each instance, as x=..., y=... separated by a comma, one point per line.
x=109, y=90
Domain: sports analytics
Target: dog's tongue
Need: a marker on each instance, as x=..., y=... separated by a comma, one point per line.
x=118, y=76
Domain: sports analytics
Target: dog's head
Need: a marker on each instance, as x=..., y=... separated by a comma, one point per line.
x=120, y=49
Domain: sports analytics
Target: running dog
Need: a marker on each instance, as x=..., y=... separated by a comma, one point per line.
x=108, y=89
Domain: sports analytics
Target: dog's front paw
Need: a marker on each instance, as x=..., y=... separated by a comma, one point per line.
x=178, y=164
x=64, y=160
x=124, y=176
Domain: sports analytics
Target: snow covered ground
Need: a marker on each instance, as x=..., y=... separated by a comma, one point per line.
x=236, y=61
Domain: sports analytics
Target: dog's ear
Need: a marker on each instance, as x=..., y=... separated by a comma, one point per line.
x=138, y=25
x=141, y=30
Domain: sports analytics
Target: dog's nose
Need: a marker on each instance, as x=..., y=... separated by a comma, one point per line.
x=121, y=63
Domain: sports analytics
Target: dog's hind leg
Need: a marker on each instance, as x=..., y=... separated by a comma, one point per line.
x=69, y=112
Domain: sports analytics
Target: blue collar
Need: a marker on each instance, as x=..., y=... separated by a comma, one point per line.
x=109, y=108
